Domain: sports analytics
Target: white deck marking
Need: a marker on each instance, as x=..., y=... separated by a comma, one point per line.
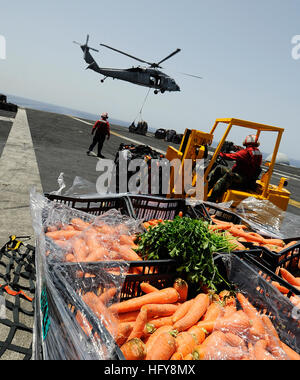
x=3, y=118
x=18, y=174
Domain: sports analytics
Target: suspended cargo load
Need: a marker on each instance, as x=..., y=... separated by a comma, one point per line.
x=160, y=133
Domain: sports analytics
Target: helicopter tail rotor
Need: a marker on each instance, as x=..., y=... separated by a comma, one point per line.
x=86, y=50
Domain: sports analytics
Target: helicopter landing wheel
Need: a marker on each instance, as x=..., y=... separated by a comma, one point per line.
x=155, y=92
x=162, y=91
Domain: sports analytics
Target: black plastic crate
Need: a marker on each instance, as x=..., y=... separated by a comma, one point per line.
x=149, y=207
x=95, y=206
x=288, y=258
x=159, y=273
x=254, y=281
x=206, y=210
x=252, y=257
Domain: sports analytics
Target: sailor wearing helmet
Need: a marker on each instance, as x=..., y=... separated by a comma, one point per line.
x=242, y=175
x=101, y=129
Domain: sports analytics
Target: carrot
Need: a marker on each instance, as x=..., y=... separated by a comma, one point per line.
x=198, y=334
x=51, y=228
x=249, y=236
x=70, y=257
x=197, y=309
x=176, y=356
x=182, y=288
x=152, y=339
x=134, y=349
x=147, y=311
x=159, y=310
x=228, y=311
x=139, y=324
x=158, y=322
x=237, y=323
x=281, y=288
x=101, y=311
x=260, y=351
x=123, y=332
x=213, y=312
x=235, y=341
x=79, y=224
x=182, y=310
x=251, y=354
x=257, y=327
x=107, y=295
x=185, y=343
x=148, y=288
x=238, y=246
x=84, y=324
x=163, y=349
x=290, y=244
x=274, y=344
x=126, y=240
x=206, y=326
x=128, y=317
x=62, y=235
x=167, y=295
x=292, y=355
x=189, y=357
x=207, y=349
x=287, y=276
x=277, y=242
x=127, y=253
x=91, y=241
x=80, y=250
x=64, y=244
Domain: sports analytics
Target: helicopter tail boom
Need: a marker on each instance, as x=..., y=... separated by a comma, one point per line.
x=89, y=59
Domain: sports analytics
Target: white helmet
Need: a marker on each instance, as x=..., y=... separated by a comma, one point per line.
x=251, y=140
x=104, y=115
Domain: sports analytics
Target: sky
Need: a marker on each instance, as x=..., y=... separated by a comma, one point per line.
x=242, y=49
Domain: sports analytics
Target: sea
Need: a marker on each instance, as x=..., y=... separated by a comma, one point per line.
x=42, y=106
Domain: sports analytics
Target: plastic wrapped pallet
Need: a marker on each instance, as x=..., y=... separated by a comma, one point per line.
x=65, y=314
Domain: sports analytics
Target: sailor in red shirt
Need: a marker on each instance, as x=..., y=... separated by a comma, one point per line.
x=101, y=129
x=244, y=172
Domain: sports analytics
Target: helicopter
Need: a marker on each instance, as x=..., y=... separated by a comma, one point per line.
x=143, y=76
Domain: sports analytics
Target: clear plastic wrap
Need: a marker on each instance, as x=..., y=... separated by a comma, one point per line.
x=72, y=300
x=254, y=321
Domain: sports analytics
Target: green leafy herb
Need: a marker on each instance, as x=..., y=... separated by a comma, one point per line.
x=191, y=244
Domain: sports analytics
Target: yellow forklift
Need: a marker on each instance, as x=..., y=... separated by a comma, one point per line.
x=194, y=146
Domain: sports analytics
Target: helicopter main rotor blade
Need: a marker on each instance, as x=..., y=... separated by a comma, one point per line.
x=191, y=75
x=128, y=55
x=168, y=57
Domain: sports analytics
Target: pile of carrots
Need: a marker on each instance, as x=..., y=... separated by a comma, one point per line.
x=166, y=325
x=239, y=235
x=92, y=242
